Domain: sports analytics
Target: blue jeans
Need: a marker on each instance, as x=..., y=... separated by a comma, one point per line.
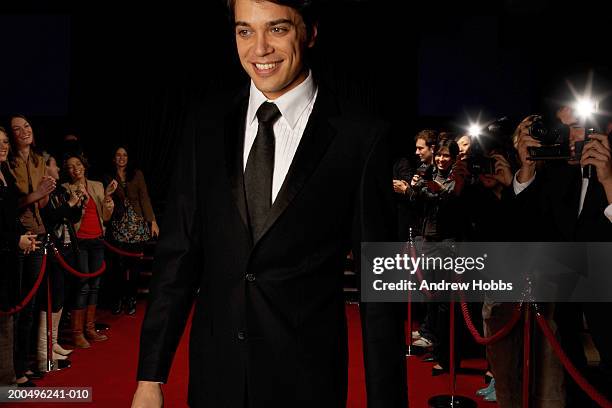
x=88, y=260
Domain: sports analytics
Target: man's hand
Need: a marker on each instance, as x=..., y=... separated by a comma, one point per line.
x=400, y=186
x=597, y=152
x=522, y=141
x=503, y=172
x=415, y=180
x=148, y=395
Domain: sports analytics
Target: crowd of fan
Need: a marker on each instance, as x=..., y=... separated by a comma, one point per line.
x=48, y=201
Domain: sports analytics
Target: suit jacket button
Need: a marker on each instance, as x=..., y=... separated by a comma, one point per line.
x=250, y=277
x=242, y=335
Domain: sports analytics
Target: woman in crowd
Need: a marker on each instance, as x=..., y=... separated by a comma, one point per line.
x=59, y=215
x=442, y=202
x=97, y=208
x=10, y=243
x=34, y=187
x=133, y=224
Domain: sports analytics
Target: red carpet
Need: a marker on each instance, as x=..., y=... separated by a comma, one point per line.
x=109, y=368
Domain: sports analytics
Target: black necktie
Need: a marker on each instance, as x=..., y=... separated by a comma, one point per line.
x=260, y=168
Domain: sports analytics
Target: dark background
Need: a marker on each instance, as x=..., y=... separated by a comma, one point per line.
x=116, y=74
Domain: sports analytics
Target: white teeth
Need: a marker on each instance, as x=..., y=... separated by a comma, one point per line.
x=265, y=66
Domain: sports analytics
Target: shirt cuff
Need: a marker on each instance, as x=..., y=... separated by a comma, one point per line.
x=518, y=186
x=608, y=212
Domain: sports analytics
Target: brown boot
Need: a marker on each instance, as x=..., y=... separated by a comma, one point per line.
x=90, y=325
x=77, y=319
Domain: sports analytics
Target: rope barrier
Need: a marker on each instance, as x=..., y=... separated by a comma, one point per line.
x=500, y=334
x=30, y=295
x=120, y=251
x=73, y=271
x=569, y=366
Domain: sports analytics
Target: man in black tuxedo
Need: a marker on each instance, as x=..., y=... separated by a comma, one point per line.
x=271, y=191
x=560, y=205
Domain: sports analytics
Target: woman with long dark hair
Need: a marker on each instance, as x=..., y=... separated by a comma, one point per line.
x=441, y=197
x=34, y=187
x=133, y=224
x=97, y=208
x=12, y=240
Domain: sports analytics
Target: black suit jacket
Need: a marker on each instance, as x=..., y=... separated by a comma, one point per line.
x=269, y=322
x=549, y=207
x=548, y=212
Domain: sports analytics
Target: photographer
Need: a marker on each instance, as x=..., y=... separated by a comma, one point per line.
x=409, y=212
x=562, y=205
x=489, y=204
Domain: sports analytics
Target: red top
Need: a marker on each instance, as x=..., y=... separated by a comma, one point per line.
x=90, y=223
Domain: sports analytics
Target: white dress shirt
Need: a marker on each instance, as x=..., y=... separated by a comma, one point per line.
x=518, y=187
x=295, y=107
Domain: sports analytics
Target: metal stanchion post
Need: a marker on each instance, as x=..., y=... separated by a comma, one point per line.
x=452, y=400
x=410, y=349
x=49, y=316
x=526, y=354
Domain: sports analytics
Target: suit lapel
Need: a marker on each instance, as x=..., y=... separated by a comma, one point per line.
x=313, y=145
x=234, y=146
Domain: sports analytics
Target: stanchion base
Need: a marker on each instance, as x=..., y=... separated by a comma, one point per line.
x=414, y=350
x=59, y=365
x=454, y=401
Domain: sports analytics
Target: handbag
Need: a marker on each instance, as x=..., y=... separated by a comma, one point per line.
x=130, y=227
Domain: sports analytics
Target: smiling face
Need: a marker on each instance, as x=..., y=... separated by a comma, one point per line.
x=75, y=169
x=121, y=158
x=271, y=40
x=424, y=152
x=22, y=132
x=443, y=159
x=464, y=145
x=4, y=146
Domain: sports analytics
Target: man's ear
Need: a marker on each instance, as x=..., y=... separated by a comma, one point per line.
x=313, y=36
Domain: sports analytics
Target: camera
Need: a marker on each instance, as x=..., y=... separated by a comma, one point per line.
x=494, y=136
x=554, y=138
x=425, y=171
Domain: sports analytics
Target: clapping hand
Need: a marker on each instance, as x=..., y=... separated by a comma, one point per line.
x=110, y=189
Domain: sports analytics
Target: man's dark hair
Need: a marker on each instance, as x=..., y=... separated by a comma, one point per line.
x=430, y=137
x=305, y=8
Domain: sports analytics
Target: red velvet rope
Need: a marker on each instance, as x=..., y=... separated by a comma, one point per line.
x=122, y=252
x=571, y=369
x=73, y=271
x=500, y=334
x=30, y=295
